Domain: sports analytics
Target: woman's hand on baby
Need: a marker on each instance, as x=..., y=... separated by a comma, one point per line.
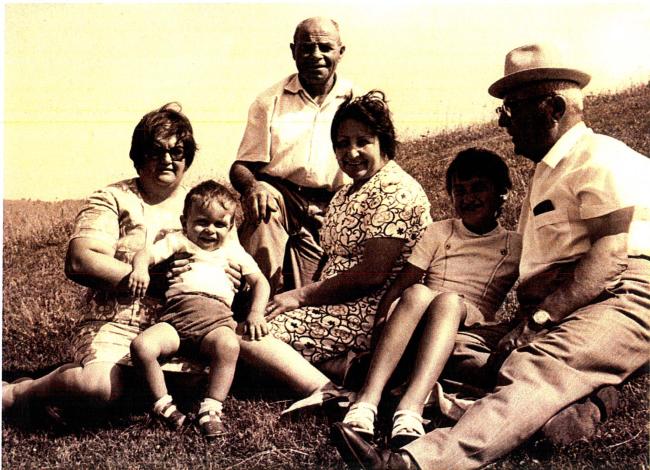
x=181, y=264
x=138, y=283
x=281, y=303
x=256, y=327
x=233, y=271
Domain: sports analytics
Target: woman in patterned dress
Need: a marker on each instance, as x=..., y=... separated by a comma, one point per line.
x=369, y=230
x=116, y=222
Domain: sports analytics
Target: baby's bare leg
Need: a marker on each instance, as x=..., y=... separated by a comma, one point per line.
x=221, y=346
x=158, y=340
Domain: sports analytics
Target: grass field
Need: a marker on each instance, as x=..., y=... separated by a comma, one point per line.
x=39, y=307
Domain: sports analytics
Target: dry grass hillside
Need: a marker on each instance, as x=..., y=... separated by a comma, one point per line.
x=39, y=313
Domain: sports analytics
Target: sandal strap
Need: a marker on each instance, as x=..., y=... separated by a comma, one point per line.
x=209, y=415
x=167, y=410
x=170, y=415
x=361, y=417
x=407, y=422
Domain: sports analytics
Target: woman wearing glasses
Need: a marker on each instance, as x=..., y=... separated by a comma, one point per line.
x=111, y=227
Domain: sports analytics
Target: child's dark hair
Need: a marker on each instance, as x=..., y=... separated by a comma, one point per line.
x=208, y=192
x=475, y=161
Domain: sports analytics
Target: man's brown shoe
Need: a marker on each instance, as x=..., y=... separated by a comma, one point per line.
x=579, y=420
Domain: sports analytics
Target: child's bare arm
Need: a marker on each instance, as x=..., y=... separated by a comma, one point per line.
x=139, y=277
x=408, y=276
x=256, y=325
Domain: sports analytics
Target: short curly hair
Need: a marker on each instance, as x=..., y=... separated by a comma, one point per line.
x=370, y=109
x=161, y=124
x=209, y=192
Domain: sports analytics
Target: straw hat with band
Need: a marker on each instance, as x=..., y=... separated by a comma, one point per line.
x=535, y=62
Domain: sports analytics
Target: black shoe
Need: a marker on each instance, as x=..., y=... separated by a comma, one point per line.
x=210, y=424
x=357, y=453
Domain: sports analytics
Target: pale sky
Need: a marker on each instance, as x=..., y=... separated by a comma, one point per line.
x=78, y=77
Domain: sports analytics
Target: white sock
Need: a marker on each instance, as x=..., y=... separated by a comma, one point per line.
x=210, y=404
x=161, y=403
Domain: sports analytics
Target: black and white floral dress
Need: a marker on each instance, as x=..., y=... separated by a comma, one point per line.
x=391, y=204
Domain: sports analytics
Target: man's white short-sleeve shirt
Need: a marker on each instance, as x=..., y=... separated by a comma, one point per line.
x=290, y=132
x=584, y=175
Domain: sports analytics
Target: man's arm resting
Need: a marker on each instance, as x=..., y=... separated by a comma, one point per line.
x=598, y=268
x=243, y=175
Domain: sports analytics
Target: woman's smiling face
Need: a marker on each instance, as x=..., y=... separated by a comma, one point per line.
x=358, y=151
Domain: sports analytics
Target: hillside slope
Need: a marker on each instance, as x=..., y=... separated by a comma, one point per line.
x=40, y=310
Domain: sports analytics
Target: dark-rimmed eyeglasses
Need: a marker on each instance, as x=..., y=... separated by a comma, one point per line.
x=513, y=104
x=158, y=153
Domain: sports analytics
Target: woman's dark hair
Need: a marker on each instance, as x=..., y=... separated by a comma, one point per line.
x=161, y=124
x=474, y=162
x=370, y=109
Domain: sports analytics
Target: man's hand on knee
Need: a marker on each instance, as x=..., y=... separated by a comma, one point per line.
x=259, y=203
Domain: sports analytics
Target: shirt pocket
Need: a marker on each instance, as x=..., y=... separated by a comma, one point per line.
x=556, y=237
x=554, y=217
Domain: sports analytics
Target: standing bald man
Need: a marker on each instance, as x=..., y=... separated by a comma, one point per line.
x=285, y=169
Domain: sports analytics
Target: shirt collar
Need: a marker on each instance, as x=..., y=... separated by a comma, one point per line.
x=341, y=87
x=469, y=234
x=564, y=144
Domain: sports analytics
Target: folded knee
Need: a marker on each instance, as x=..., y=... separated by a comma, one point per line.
x=225, y=346
x=417, y=294
x=142, y=350
x=450, y=300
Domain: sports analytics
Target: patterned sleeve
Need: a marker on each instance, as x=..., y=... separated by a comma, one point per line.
x=398, y=208
x=99, y=218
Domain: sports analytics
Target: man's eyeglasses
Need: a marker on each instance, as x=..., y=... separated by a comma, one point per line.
x=158, y=153
x=512, y=105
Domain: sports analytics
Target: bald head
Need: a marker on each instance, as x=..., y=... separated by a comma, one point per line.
x=317, y=23
x=317, y=50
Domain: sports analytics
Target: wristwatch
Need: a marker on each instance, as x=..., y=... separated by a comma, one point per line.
x=541, y=319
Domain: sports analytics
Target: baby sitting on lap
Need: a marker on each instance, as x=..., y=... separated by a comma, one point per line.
x=197, y=314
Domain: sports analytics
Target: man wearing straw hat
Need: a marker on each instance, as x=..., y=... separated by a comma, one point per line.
x=585, y=276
